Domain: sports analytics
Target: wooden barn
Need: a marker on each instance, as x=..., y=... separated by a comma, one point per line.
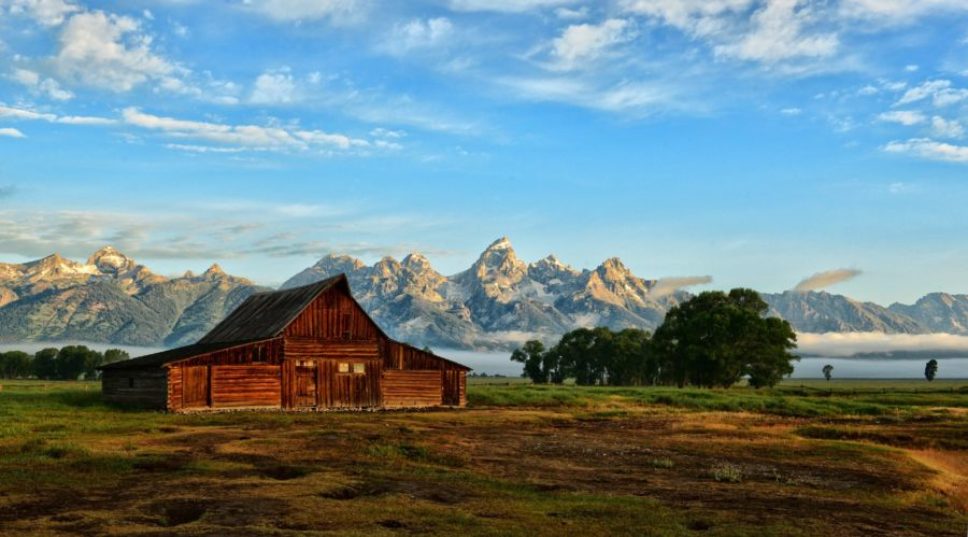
x=311, y=347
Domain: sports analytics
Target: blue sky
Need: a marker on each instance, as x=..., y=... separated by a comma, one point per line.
x=754, y=141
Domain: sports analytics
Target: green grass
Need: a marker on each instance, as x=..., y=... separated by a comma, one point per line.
x=806, y=399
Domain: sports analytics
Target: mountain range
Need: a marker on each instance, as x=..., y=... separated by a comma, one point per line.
x=498, y=302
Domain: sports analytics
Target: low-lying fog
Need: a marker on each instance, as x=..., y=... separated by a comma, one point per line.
x=836, y=349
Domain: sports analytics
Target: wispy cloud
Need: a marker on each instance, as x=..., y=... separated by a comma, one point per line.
x=667, y=286
x=335, y=11
x=507, y=6
x=822, y=280
x=10, y=132
x=253, y=137
x=904, y=117
x=929, y=149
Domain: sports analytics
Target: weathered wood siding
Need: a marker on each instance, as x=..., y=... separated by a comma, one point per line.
x=175, y=389
x=455, y=387
x=236, y=386
x=411, y=388
x=141, y=387
x=333, y=316
x=452, y=378
x=333, y=389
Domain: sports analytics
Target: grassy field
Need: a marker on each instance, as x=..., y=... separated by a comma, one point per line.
x=807, y=458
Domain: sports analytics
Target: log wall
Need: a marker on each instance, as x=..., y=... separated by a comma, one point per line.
x=138, y=387
x=236, y=386
x=411, y=388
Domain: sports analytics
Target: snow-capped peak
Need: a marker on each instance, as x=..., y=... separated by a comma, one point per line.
x=109, y=260
x=503, y=243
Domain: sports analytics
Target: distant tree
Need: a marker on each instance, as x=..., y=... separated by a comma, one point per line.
x=15, y=364
x=714, y=339
x=769, y=353
x=45, y=363
x=532, y=356
x=628, y=358
x=828, y=371
x=931, y=369
x=115, y=355
x=73, y=361
x=582, y=355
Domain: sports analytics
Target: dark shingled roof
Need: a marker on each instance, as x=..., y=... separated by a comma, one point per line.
x=266, y=315
x=159, y=359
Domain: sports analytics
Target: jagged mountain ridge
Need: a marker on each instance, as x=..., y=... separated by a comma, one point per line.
x=111, y=298
x=497, y=302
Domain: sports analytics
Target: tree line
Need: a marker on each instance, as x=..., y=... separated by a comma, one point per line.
x=72, y=362
x=712, y=340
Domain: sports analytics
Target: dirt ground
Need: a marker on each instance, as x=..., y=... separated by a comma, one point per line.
x=639, y=471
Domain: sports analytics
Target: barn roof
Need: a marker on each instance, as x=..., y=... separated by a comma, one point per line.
x=266, y=315
x=159, y=359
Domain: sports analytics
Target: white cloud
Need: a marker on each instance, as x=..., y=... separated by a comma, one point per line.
x=274, y=87
x=336, y=11
x=791, y=111
x=701, y=18
x=252, y=137
x=108, y=51
x=45, y=86
x=846, y=344
x=10, y=132
x=380, y=132
x=635, y=98
x=668, y=286
x=580, y=44
x=904, y=117
x=822, y=280
x=940, y=92
x=899, y=11
x=32, y=115
x=777, y=34
x=911, y=68
x=45, y=12
x=419, y=33
x=567, y=13
x=946, y=128
x=506, y=6
x=929, y=149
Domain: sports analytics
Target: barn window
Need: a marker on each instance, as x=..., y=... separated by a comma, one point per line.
x=345, y=322
x=359, y=368
x=131, y=382
x=344, y=367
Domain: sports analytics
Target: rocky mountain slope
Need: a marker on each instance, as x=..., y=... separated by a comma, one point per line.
x=111, y=298
x=498, y=302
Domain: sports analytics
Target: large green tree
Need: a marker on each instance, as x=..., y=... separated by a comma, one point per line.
x=73, y=361
x=532, y=356
x=45, y=363
x=15, y=364
x=715, y=338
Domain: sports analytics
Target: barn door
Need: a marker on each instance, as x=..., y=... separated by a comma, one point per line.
x=305, y=383
x=195, y=387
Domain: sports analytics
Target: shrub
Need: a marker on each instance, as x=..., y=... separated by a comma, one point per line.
x=727, y=473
